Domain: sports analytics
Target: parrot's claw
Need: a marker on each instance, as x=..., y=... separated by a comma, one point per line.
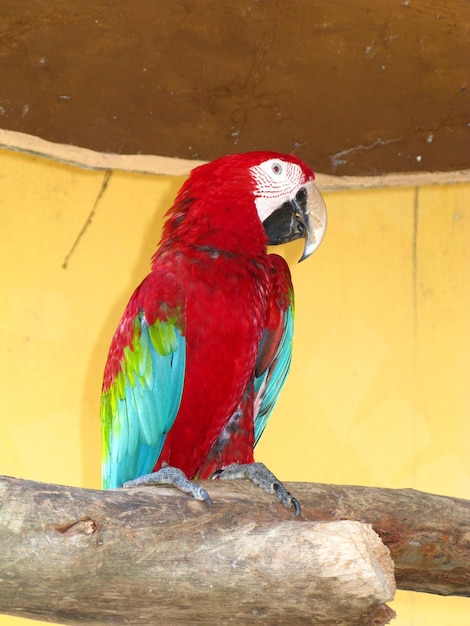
x=168, y=475
x=259, y=474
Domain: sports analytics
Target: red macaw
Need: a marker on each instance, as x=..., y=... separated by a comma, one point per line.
x=203, y=348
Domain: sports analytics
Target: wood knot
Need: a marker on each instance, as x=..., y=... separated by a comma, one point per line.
x=85, y=526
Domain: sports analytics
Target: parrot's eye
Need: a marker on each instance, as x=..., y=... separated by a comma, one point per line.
x=276, y=168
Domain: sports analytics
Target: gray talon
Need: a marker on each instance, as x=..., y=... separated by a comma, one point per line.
x=203, y=495
x=168, y=475
x=285, y=497
x=296, y=505
x=259, y=474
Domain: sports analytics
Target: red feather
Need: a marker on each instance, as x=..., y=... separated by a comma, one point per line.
x=225, y=306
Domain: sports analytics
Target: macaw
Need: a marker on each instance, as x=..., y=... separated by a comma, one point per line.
x=204, y=345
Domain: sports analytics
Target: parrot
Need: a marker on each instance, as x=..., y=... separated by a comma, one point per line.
x=204, y=346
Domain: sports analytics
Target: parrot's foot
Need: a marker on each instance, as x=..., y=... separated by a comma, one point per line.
x=168, y=475
x=259, y=474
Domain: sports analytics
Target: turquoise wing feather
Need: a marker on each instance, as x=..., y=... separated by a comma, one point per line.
x=269, y=383
x=274, y=353
x=142, y=389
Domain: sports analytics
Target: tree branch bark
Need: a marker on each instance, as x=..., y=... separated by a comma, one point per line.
x=428, y=535
x=153, y=555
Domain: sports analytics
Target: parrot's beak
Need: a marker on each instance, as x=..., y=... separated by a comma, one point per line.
x=303, y=216
x=312, y=213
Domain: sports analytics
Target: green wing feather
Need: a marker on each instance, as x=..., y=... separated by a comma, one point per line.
x=142, y=388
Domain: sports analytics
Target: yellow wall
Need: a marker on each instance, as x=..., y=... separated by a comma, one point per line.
x=378, y=392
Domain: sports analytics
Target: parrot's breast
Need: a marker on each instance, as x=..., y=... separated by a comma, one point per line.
x=226, y=300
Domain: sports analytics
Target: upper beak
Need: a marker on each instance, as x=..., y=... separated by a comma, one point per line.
x=312, y=214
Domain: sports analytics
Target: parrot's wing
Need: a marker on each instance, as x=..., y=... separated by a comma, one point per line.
x=275, y=349
x=143, y=380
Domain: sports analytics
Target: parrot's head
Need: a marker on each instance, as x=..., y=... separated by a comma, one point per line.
x=288, y=202
x=242, y=202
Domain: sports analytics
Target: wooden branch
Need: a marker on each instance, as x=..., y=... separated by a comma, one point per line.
x=428, y=535
x=151, y=556
x=156, y=556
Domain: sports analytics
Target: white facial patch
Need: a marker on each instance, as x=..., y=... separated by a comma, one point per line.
x=276, y=182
